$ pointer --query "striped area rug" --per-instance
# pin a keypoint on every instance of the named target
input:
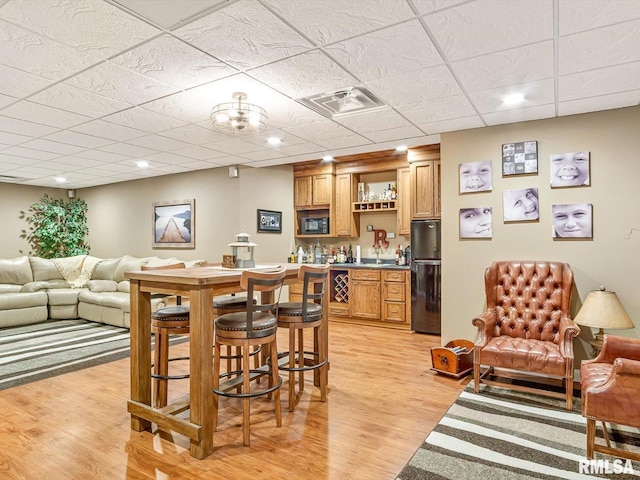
(33, 352)
(503, 434)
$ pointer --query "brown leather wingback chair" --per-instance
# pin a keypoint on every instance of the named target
(526, 327)
(610, 386)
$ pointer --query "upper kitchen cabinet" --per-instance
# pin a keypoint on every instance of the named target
(346, 225)
(425, 183)
(313, 191)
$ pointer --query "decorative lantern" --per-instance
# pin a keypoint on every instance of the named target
(242, 250)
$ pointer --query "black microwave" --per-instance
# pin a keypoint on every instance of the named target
(315, 226)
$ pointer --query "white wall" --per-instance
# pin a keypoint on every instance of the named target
(611, 258)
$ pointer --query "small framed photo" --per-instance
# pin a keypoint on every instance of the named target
(520, 205)
(573, 220)
(570, 169)
(475, 176)
(174, 224)
(520, 158)
(476, 222)
(269, 221)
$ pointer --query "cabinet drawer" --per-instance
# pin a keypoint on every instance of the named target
(394, 312)
(394, 292)
(338, 310)
(393, 275)
(357, 274)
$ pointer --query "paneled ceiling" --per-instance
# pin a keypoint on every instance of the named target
(90, 87)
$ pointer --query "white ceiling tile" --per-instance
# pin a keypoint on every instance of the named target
(79, 101)
(265, 38)
(579, 15)
(303, 75)
(619, 78)
(91, 25)
(172, 62)
(6, 100)
(144, 120)
(604, 102)
(79, 139)
(128, 150)
(3, 146)
(370, 122)
(601, 47)
(393, 134)
(157, 142)
(261, 139)
(43, 114)
(26, 51)
(194, 134)
(416, 87)
(315, 132)
(11, 138)
(53, 147)
(300, 148)
(507, 67)
(452, 125)
(520, 115)
(199, 153)
(111, 131)
(200, 165)
(269, 163)
(343, 141)
(233, 146)
(535, 93)
(78, 162)
(22, 127)
(291, 113)
(477, 28)
(100, 155)
(117, 83)
(439, 109)
(264, 154)
(334, 20)
(364, 57)
(18, 83)
(17, 160)
(430, 6)
(169, 158)
(168, 13)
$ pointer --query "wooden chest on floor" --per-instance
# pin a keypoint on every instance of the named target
(454, 359)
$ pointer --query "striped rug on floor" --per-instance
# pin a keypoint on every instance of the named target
(33, 352)
(502, 434)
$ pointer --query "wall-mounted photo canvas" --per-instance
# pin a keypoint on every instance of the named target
(476, 222)
(173, 224)
(573, 220)
(520, 205)
(570, 169)
(475, 176)
(519, 158)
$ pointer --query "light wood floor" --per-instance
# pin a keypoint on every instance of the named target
(383, 401)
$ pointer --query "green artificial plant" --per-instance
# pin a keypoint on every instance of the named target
(57, 228)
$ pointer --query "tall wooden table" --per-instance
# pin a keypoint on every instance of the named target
(200, 284)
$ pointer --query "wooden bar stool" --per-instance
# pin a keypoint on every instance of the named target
(234, 304)
(256, 326)
(298, 316)
(165, 322)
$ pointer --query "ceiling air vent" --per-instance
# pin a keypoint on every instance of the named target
(12, 179)
(343, 102)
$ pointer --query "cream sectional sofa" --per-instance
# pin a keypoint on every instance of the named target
(34, 289)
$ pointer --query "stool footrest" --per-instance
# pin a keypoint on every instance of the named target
(285, 365)
(237, 381)
(171, 377)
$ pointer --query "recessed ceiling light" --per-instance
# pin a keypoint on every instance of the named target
(142, 164)
(401, 148)
(60, 179)
(274, 141)
(513, 99)
(327, 158)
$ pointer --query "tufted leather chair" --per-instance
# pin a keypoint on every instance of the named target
(526, 328)
(610, 386)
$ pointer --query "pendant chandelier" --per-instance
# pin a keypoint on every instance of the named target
(239, 116)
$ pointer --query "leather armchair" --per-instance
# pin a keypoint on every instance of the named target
(526, 327)
(610, 385)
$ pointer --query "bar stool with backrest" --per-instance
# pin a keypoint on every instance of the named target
(166, 321)
(256, 326)
(298, 316)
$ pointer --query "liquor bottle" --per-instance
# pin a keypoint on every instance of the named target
(398, 254)
(318, 257)
(350, 255)
(394, 192)
(300, 254)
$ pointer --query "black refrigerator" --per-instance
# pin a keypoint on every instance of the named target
(425, 276)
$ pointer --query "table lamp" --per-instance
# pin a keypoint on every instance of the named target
(602, 309)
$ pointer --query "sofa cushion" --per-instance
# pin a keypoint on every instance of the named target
(105, 269)
(128, 264)
(12, 301)
(100, 286)
(44, 269)
(63, 296)
(162, 262)
(10, 288)
(16, 271)
(36, 286)
(124, 286)
(110, 299)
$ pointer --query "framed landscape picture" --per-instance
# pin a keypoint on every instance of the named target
(520, 158)
(174, 224)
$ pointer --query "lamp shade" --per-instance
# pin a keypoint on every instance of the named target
(602, 309)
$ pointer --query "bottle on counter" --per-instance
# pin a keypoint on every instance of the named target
(398, 254)
(350, 255)
(300, 254)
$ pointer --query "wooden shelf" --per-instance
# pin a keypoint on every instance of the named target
(377, 206)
